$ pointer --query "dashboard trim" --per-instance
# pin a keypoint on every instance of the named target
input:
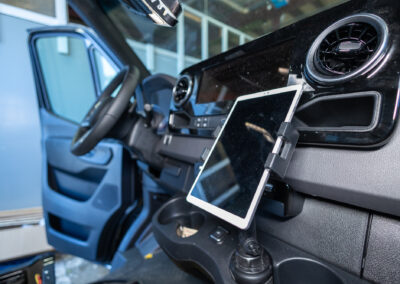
(372, 19)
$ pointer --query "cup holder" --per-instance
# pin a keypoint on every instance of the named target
(306, 271)
(186, 218)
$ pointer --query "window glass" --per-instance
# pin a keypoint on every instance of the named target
(46, 7)
(67, 75)
(214, 40)
(244, 20)
(106, 72)
(192, 35)
(233, 40)
(258, 17)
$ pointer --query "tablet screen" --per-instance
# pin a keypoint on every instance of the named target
(231, 174)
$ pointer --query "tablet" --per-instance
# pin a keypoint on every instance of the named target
(232, 179)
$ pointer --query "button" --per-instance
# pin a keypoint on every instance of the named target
(198, 125)
(219, 234)
(204, 124)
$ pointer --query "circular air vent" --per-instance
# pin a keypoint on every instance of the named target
(347, 49)
(182, 90)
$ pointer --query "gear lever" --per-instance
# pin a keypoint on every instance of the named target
(148, 110)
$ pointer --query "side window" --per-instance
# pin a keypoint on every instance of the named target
(106, 72)
(68, 75)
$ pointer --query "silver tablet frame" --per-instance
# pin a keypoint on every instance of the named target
(244, 223)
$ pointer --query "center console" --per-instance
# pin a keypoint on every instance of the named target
(201, 242)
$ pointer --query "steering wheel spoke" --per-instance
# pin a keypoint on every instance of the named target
(105, 112)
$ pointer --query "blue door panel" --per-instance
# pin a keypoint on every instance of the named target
(81, 195)
(85, 199)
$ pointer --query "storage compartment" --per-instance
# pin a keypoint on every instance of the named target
(69, 228)
(357, 111)
(186, 219)
(78, 186)
(305, 271)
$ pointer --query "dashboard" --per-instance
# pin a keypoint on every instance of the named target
(347, 118)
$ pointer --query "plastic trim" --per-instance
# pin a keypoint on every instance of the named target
(378, 23)
(189, 90)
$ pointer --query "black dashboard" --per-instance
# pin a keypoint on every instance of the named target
(349, 57)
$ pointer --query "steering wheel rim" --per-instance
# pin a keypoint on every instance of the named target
(105, 112)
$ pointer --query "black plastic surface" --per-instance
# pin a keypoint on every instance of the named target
(383, 79)
(186, 149)
(27, 270)
(383, 252)
(299, 270)
(367, 179)
(214, 257)
(348, 112)
(329, 231)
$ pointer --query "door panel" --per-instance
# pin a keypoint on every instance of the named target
(79, 197)
(84, 198)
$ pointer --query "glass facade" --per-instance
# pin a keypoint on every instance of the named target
(209, 27)
(45, 7)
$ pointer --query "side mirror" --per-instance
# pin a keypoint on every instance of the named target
(161, 12)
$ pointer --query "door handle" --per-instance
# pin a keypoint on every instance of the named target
(98, 156)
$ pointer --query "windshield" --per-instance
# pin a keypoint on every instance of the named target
(206, 28)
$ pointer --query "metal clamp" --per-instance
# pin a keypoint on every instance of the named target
(278, 163)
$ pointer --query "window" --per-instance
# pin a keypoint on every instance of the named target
(46, 7)
(192, 35)
(68, 77)
(214, 40)
(47, 12)
(206, 28)
(105, 71)
(233, 40)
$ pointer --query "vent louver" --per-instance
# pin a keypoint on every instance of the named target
(182, 90)
(347, 49)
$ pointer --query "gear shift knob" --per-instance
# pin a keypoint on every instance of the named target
(148, 109)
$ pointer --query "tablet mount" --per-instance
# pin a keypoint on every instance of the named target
(251, 263)
(278, 163)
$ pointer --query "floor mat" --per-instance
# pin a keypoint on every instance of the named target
(156, 269)
(74, 270)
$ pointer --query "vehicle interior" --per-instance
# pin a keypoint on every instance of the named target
(115, 182)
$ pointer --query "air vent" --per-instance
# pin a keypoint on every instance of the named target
(182, 90)
(347, 49)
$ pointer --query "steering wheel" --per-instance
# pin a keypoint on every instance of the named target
(105, 112)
